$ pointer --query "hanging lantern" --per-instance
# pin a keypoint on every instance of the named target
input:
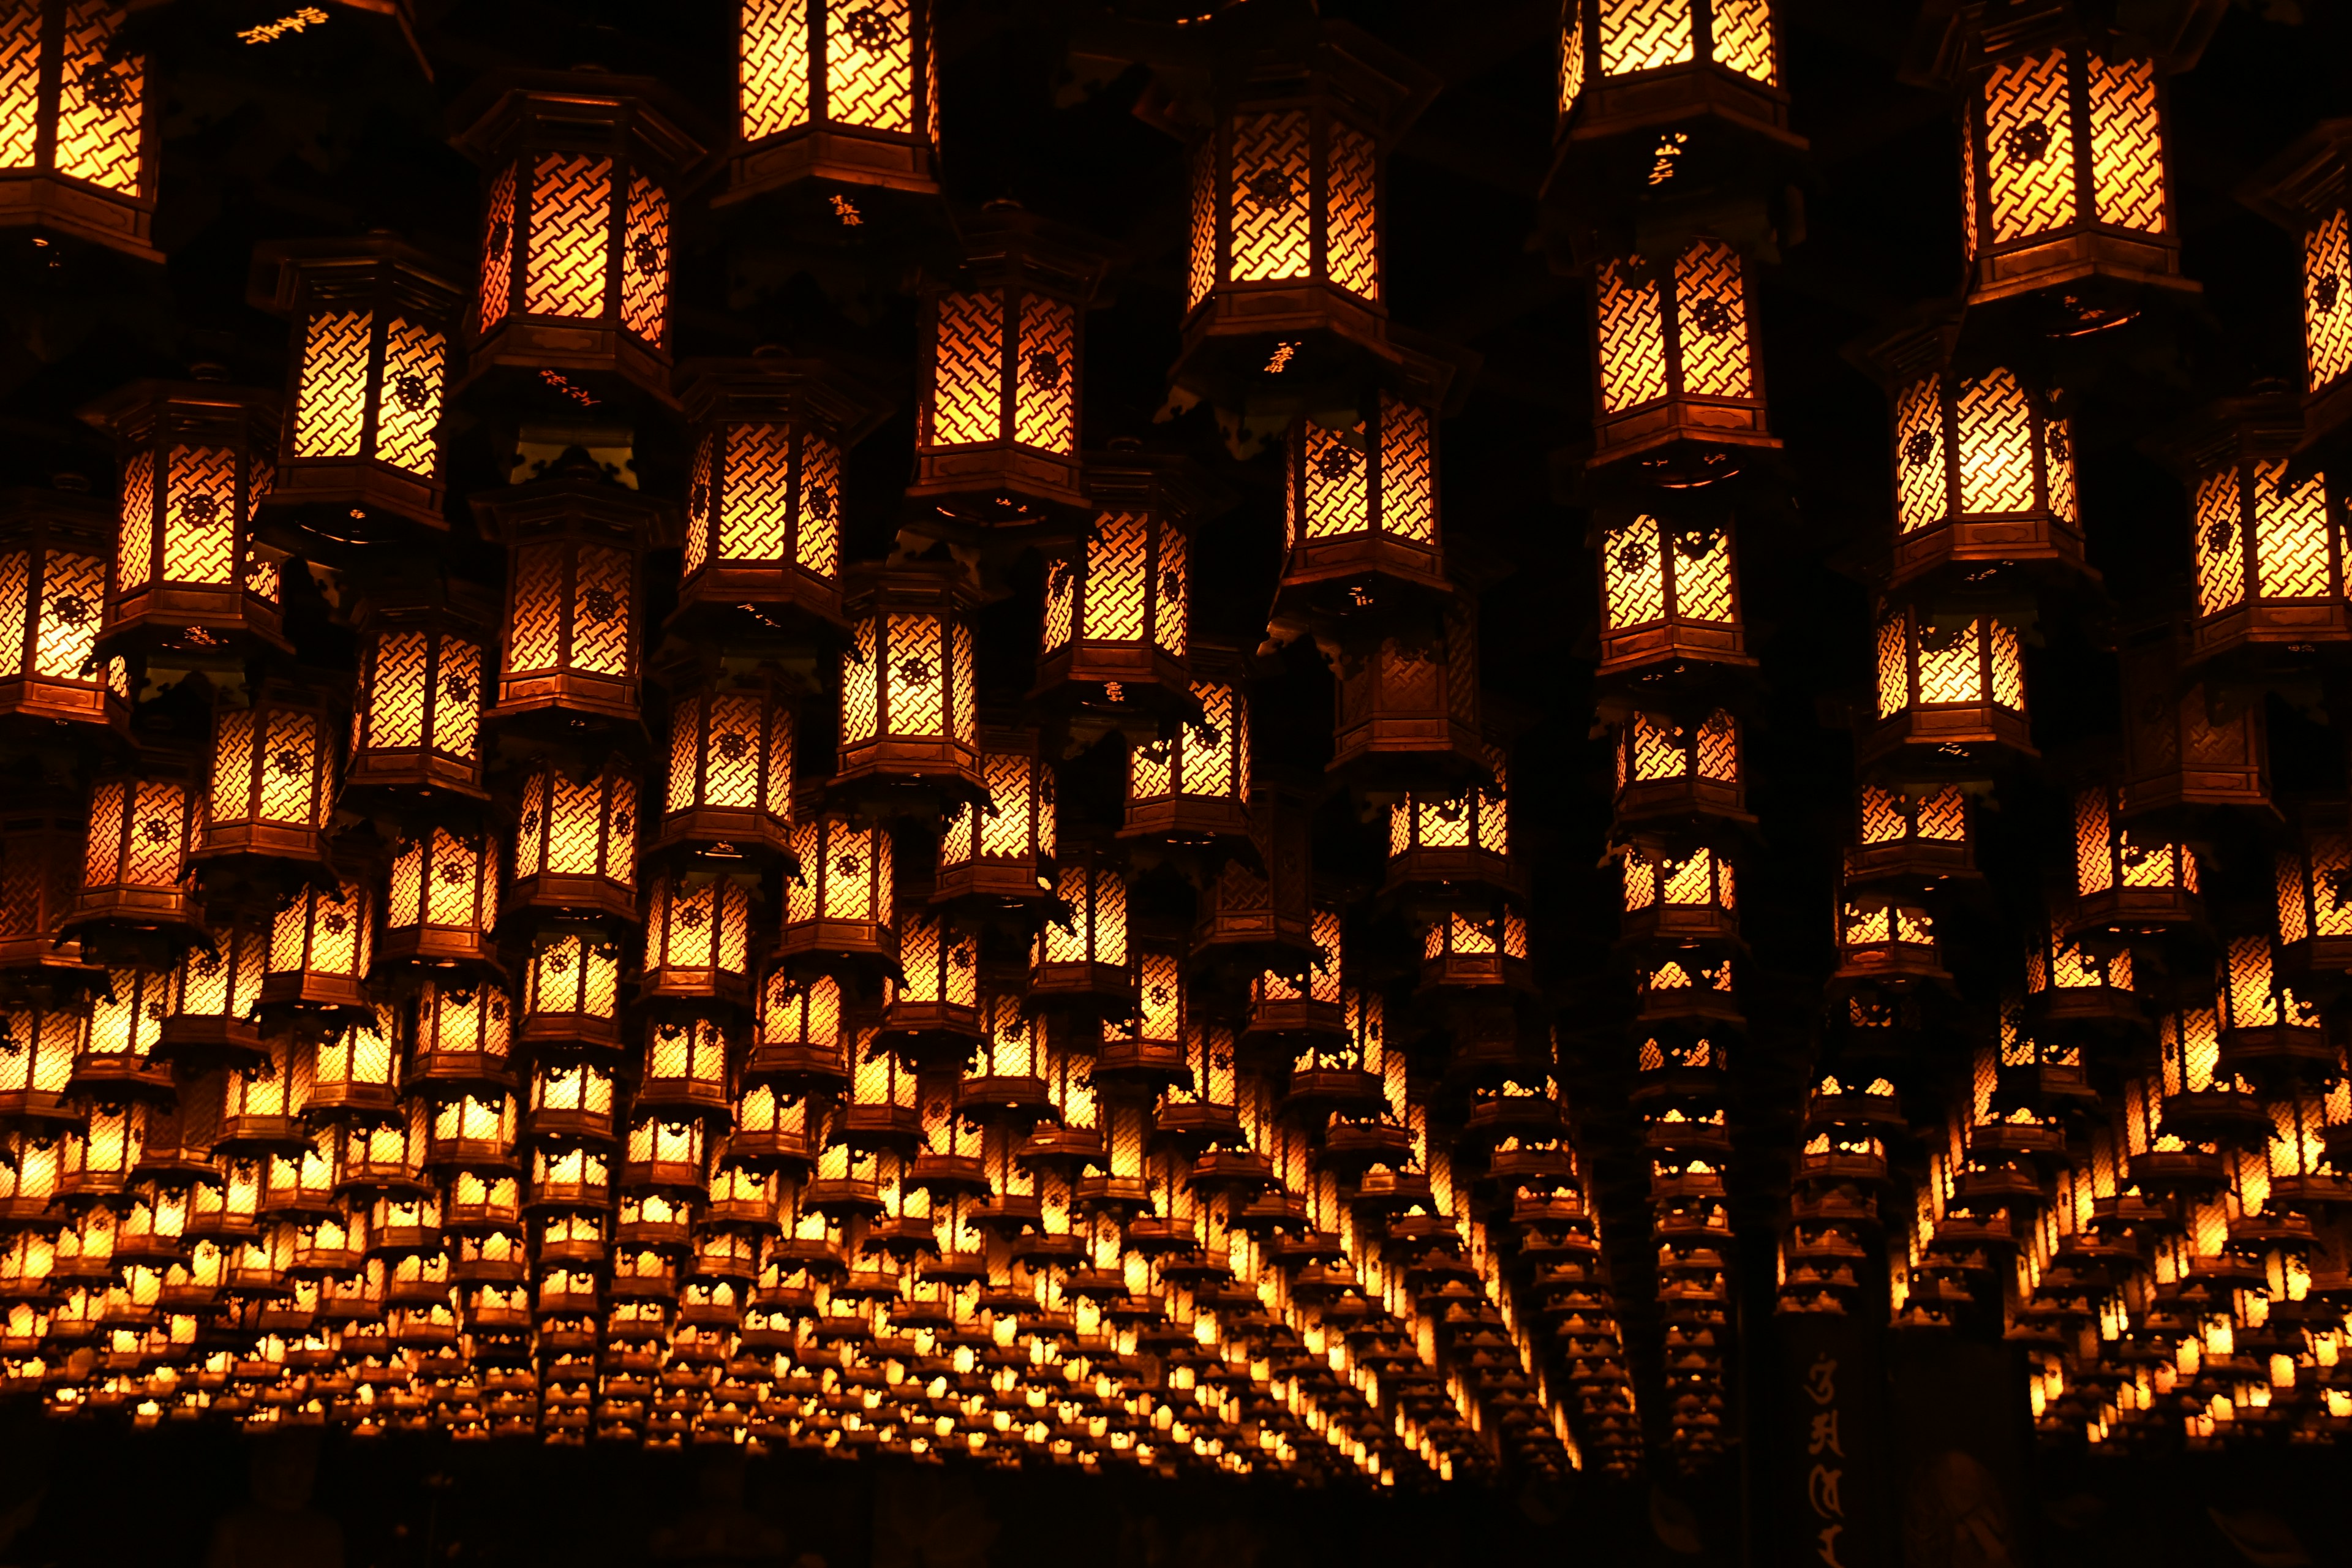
(730, 771)
(1627, 67)
(136, 887)
(209, 1012)
(1194, 785)
(800, 1039)
(1004, 1083)
(1472, 952)
(2303, 191)
(1408, 708)
(997, 853)
(471, 1129)
(936, 997)
(2315, 895)
(262, 1105)
(463, 1035)
(1678, 898)
(571, 992)
(1456, 846)
(2263, 1022)
(273, 781)
(1671, 768)
(359, 456)
(576, 230)
(1253, 914)
(1147, 1049)
(698, 940)
(2067, 180)
(773, 1130)
(416, 724)
(664, 1155)
(576, 844)
(1676, 378)
(1118, 597)
(908, 685)
(83, 143)
(1881, 940)
(1079, 960)
(1303, 1005)
(355, 1072)
(842, 92)
(42, 848)
(1946, 690)
(441, 903)
(126, 1024)
(1901, 836)
(2186, 744)
(571, 648)
(319, 951)
(683, 1071)
(54, 549)
(1669, 596)
(196, 459)
(37, 1064)
(2127, 880)
(837, 907)
(1360, 504)
(570, 1102)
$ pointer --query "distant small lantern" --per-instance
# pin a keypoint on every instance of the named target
(54, 551)
(1675, 361)
(1456, 843)
(1304, 1003)
(843, 91)
(196, 459)
(2128, 879)
(698, 940)
(2067, 981)
(574, 634)
(80, 154)
(2186, 743)
(322, 943)
(1671, 766)
(571, 1101)
(359, 452)
(1193, 786)
(355, 1072)
(1679, 897)
(576, 844)
(273, 781)
(1883, 941)
(571, 992)
(998, 852)
(577, 256)
(730, 792)
(463, 1033)
(2315, 896)
(1472, 952)
(416, 723)
(1118, 606)
(801, 1038)
(135, 881)
(937, 993)
(2066, 170)
(1947, 692)
(683, 1071)
(996, 435)
(42, 850)
(837, 907)
(1080, 958)
(908, 687)
(1408, 708)
(1903, 836)
(1669, 596)
(209, 1010)
(1360, 506)
(441, 903)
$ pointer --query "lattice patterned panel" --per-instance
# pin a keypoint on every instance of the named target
(1270, 197)
(1212, 747)
(731, 771)
(1408, 472)
(2327, 299)
(685, 750)
(396, 695)
(158, 834)
(772, 67)
(457, 701)
(816, 536)
(2008, 661)
(1920, 472)
(600, 611)
(408, 411)
(645, 262)
(870, 64)
(104, 845)
(2220, 563)
(1201, 248)
(1995, 434)
(1743, 38)
(1654, 749)
(135, 545)
(73, 588)
(1571, 56)
(1951, 668)
(1643, 35)
(16, 604)
(967, 368)
(574, 826)
(2058, 466)
(1118, 552)
(916, 680)
(1171, 592)
(565, 270)
(2331, 870)
(1350, 215)
(1632, 336)
(1061, 603)
(860, 687)
(1711, 305)
(755, 493)
(498, 247)
(2291, 535)
(1338, 492)
(1883, 819)
(1893, 678)
(101, 103)
(2127, 144)
(1718, 751)
(701, 501)
(1704, 590)
(20, 82)
(535, 625)
(1632, 574)
(1046, 376)
(288, 768)
(962, 720)
(2029, 146)
(330, 399)
(2153, 863)
(200, 515)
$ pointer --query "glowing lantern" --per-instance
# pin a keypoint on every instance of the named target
(908, 714)
(1147, 1050)
(1256, 915)
(471, 1129)
(209, 1010)
(1080, 959)
(321, 945)
(1303, 1003)
(570, 1102)
(1408, 708)
(1669, 767)
(2315, 896)
(41, 856)
(262, 1104)
(38, 1064)
(2066, 177)
(2303, 191)
(576, 844)
(800, 1039)
(1678, 898)
(2186, 744)
(571, 992)
(1459, 845)
(1118, 598)
(730, 771)
(1878, 939)
(416, 724)
(837, 907)
(1688, 990)
(1194, 786)
(1945, 692)
(1669, 596)
(997, 853)
(573, 632)
(463, 1035)
(2263, 1022)
(273, 779)
(2126, 881)
(135, 886)
(1674, 362)
(839, 91)
(126, 1024)
(1903, 836)
(773, 1130)
(359, 456)
(355, 1072)
(997, 431)
(685, 1071)
(441, 902)
(195, 459)
(664, 1154)
(698, 940)
(1361, 510)
(79, 157)
(936, 997)
(54, 546)
(576, 229)
(1628, 66)
(1470, 952)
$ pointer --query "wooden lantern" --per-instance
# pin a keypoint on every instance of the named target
(571, 992)
(42, 850)
(698, 940)
(801, 1038)
(209, 1009)
(196, 459)
(2186, 744)
(937, 993)
(1255, 913)
(1459, 843)
(2067, 981)
(79, 159)
(355, 1072)
(1472, 952)
(1900, 836)
(1685, 897)
(1360, 504)
(416, 731)
(471, 1129)
(1947, 692)
(576, 844)
(53, 549)
(571, 1102)
(1194, 786)
(462, 1033)
(998, 853)
(1408, 708)
(908, 715)
(273, 779)
(2128, 879)
(359, 457)
(441, 903)
(730, 771)
(135, 878)
(683, 1071)
(1300, 1005)
(1080, 958)
(1147, 1049)
(1669, 767)
(576, 229)
(996, 434)
(837, 907)
(2315, 894)
(37, 1067)
(1118, 598)
(2264, 1024)
(1669, 596)
(1675, 361)
(321, 946)
(840, 91)
(1883, 941)
(262, 1103)
(1633, 66)
(118, 1062)
(2304, 191)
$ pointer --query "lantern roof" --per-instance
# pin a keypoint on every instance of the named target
(348, 266)
(1274, 49)
(576, 493)
(131, 410)
(1951, 38)
(2266, 421)
(775, 383)
(2305, 180)
(1167, 484)
(1004, 242)
(584, 106)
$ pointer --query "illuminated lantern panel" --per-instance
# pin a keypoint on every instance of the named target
(572, 641)
(356, 1070)
(837, 907)
(1667, 766)
(1984, 472)
(1668, 595)
(195, 460)
(1361, 503)
(54, 549)
(2270, 559)
(1147, 1049)
(1882, 939)
(576, 843)
(1671, 898)
(997, 431)
(684, 1071)
(441, 902)
(571, 990)
(841, 91)
(321, 945)
(2315, 896)
(2187, 744)
(135, 867)
(1462, 840)
(2066, 176)
(2264, 1024)
(1946, 690)
(698, 939)
(999, 852)
(42, 851)
(373, 321)
(1674, 357)
(800, 1037)
(1624, 62)
(2127, 879)
(78, 142)
(730, 789)
(416, 721)
(1901, 833)
(1306, 1001)
(1116, 609)
(1080, 956)
(273, 779)
(1194, 786)
(569, 1101)
(35, 1072)
(908, 699)
(1408, 708)
(462, 1033)
(1470, 952)
(575, 230)
(939, 993)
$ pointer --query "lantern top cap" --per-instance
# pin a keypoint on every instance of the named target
(820, 387)
(1162, 482)
(1005, 242)
(394, 597)
(2265, 422)
(353, 266)
(1920, 344)
(2304, 182)
(1952, 39)
(576, 493)
(1272, 51)
(130, 410)
(27, 507)
(583, 108)
(935, 584)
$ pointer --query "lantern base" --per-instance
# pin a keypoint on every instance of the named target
(1959, 741)
(1142, 1064)
(2274, 634)
(846, 949)
(798, 1068)
(1891, 965)
(1280, 347)
(1483, 972)
(346, 512)
(1646, 650)
(1192, 820)
(2094, 261)
(892, 779)
(2040, 547)
(72, 210)
(563, 368)
(1681, 443)
(711, 838)
(33, 708)
(876, 160)
(582, 1031)
(1909, 862)
(200, 621)
(2136, 910)
(991, 486)
(1082, 989)
(733, 601)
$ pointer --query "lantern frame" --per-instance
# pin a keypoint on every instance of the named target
(56, 564)
(729, 784)
(72, 127)
(791, 71)
(1922, 730)
(1643, 627)
(556, 812)
(272, 779)
(1678, 375)
(2187, 742)
(891, 660)
(416, 719)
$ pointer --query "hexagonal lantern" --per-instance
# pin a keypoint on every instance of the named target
(1193, 786)
(908, 695)
(998, 853)
(936, 997)
(1886, 942)
(698, 940)
(571, 992)
(1408, 708)
(209, 1009)
(576, 266)
(1118, 599)
(1677, 383)
(273, 781)
(321, 946)
(834, 90)
(576, 844)
(441, 903)
(837, 907)
(2186, 743)
(729, 795)
(1304, 1004)
(1905, 837)
(801, 1038)
(1669, 594)
(1459, 843)
(359, 457)
(1628, 68)
(1668, 767)
(1360, 506)
(2315, 893)
(195, 459)
(1472, 952)
(79, 154)
(54, 555)
(416, 729)
(42, 849)
(2128, 879)
(461, 1033)
(136, 887)
(1255, 913)
(1946, 691)
(1079, 960)
(2068, 981)
(1685, 897)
